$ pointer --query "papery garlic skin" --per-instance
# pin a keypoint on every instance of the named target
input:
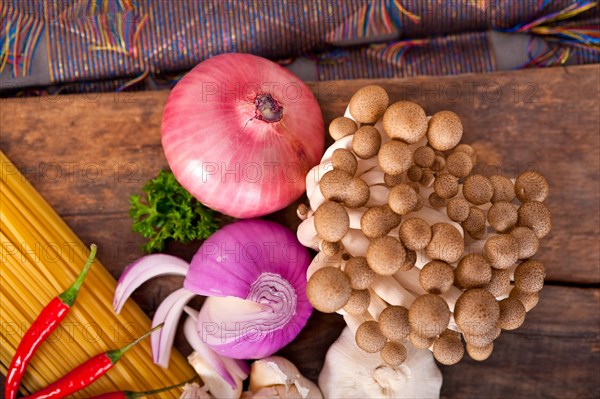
(195, 391)
(217, 385)
(350, 372)
(276, 371)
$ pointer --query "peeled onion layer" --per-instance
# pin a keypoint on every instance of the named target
(228, 149)
(253, 272)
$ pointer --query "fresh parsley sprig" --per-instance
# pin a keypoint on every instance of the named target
(169, 212)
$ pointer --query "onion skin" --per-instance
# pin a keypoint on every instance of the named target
(226, 152)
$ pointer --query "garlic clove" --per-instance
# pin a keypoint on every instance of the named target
(282, 380)
(195, 391)
(216, 384)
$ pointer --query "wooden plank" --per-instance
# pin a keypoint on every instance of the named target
(87, 154)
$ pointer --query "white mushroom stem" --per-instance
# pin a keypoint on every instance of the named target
(410, 280)
(378, 197)
(511, 271)
(321, 260)
(366, 165)
(451, 296)
(355, 242)
(355, 214)
(344, 142)
(307, 234)
(373, 177)
(376, 306)
(388, 289)
(315, 175)
(354, 321)
(316, 199)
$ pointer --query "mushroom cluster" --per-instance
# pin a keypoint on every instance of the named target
(412, 243)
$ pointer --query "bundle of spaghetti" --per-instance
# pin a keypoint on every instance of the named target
(40, 257)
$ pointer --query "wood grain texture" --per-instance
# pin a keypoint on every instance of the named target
(88, 154)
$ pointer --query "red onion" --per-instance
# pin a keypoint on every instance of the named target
(240, 133)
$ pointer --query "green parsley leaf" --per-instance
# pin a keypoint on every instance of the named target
(169, 212)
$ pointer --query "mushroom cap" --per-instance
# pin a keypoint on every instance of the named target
(502, 251)
(402, 198)
(531, 186)
(480, 353)
(360, 274)
(439, 163)
(466, 148)
(330, 248)
(415, 233)
(476, 311)
(475, 221)
(410, 261)
(529, 276)
(333, 184)
(436, 277)
(459, 164)
(393, 353)
(528, 299)
(377, 221)
(478, 189)
(447, 244)
(473, 271)
(458, 209)
(445, 130)
(342, 127)
(448, 348)
(386, 255)
(499, 283)
(392, 180)
(366, 142)
(328, 289)
(368, 104)
(331, 221)
(419, 341)
(429, 315)
(302, 211)
(536, 216)
(406, 121)
(504, 189)
(436, 201)
(502, 216)
(446, 185)
(512, 313)
(420, 203)
(357, 193)
(393, 322)
(424, 156)
(344, 160)
(369, 337)
(483, 339)
(358, 303)
(395, 157)
(414, 173)
(528, 241)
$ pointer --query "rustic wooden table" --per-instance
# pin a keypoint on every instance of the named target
(87, 154)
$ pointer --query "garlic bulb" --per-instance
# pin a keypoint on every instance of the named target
(350, 372)
(195, 391)
(277, 377)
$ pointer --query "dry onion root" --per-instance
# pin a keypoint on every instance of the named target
(413, 244)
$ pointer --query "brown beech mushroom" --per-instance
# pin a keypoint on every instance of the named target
(447, 244)
(392, 180)
(409, 261)
(406, 121)
(466, 148)
(458, 209)
(473, 271)
(369, 337)
(536, 216)
(446, 186)
(502, 216)
(366, 142)
(393, 353)
(302, 211)
(358, 303)
(448, 348)
(528, 241)
(344, 160)
(499, 283)
(424, 156)
(459, 164)
(339, 185)
(512, 314)
(331, 221)
(476, 311)
(445, 130)
(474, 222)
(480, 353)
(360, 274)
(378, 221)
(342, 127)
(393, 322)
(419, 341)
(330, 248)
(439, 163)
(436, 277)
(386, 255)
(414, 173)
(328, 289)
(504, 189)
(528, 299)
(429, 315)
(368, 104)
(478, 189)
(502, 251)
(531, 186)
(483, 339)
(415, 233)
(529, 276)
(402, 199)
(436, 201)
(395, 157)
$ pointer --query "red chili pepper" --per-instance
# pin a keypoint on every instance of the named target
(135, 395)
(86, 373)
(47, 321)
